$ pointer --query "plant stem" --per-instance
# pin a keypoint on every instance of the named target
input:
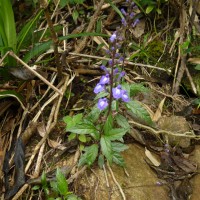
(111, 83)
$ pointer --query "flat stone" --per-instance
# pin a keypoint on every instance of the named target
(140, 185)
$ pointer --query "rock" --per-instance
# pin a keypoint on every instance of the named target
(175, 124)
(140, 185)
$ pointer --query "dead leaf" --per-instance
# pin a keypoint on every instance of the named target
(158, 112)
(152, 158)
(194, 60)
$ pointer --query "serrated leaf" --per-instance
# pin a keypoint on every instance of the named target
(82, 138)
(116, 134)
(89, 156)
(118, 147)
(118, 159)
(93, 116)
(136, 88)
(101, 161)
(139, 112)
(62, 184)
(106, 148)
(149, 9)
(83, 128)
(122, 121)
(109, 124)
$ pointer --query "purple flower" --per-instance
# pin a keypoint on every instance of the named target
(110, 62)
(124, 96)
(113, 37)
(117, 92)
(98, 88)
(116, 70)
(132, 15)
(135, 23)
(124, 22)
(104, 79)
(123, 12)
(102, 103)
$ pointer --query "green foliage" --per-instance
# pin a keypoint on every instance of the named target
(107, 134)
(56, 189)
(149, 6)
(139, 112)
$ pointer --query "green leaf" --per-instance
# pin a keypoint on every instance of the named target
(118, 147)
(197, 67)
(61, 182)
(43, 179)
(149, 9)
(71, 136)
(16, 95)
(7, 16)
(72, 197)
(116, 134)
(26, 31)
(136, 88)
(101, 161)
(54, 186)
(122, 121)
(83, 128)
(89, 156)
(115, 8)
(93, 116)
(109, 124)
(82, 138)
(118, 159)
(106, 148)
(35, 187)
(139, 112)
(40, 48)
(75, 16)
(72, 121)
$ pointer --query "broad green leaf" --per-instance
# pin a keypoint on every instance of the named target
(106, 148)
(139, 112)
(77, 118)
(118, 147)
(116, 134)
(118, 159)
(109, 124)
(101, 161)
(83, 128)
(149, 9)
(197, 67)
(89, 156)
(122, 121)
(136, 88)
(54, 186)
(82, 138)
(67, 119)
(71, 136)
(93, 116)
(61, 182)
(72, 197)
(12, 93)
